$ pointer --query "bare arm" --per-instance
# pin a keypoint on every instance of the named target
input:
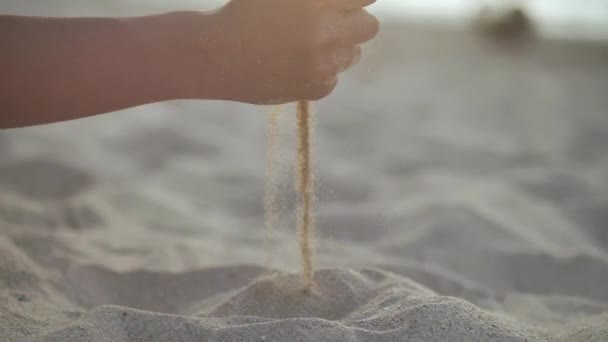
(64, 68)
(54, 69)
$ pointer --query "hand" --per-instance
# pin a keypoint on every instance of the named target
(278, 51)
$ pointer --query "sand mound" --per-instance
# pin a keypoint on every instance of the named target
(337, 293)
(346, 305)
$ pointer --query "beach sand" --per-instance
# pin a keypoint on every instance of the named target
(463, 196)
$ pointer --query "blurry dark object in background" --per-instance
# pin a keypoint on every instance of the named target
(507, 27)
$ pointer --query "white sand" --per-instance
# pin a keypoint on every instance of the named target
(463, 197)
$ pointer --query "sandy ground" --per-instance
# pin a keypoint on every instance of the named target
(463, 196)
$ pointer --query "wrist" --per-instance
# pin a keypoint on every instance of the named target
(208, 69)
(172, 54)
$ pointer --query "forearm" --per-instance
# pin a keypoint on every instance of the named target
(56, 69)
(259, 52)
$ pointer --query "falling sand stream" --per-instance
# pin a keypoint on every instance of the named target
(305, 190)
(304, 186)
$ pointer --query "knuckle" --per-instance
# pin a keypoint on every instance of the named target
(348, 58)
(321, 70)
(372, 26)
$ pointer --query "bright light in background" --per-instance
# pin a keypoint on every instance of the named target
(557, 18)
(440, 8)
(586, 19)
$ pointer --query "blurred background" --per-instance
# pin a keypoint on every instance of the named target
(555, 18)
(473, 135)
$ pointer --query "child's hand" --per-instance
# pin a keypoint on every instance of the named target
(255, 51)
(276, 51)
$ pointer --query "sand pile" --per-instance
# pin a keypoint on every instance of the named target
(64, 301)
(211, 305)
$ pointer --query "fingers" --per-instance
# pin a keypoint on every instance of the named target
(327, 65)
(314, 92)
(320, 78)
(345, 58)
(347, 29)
(357, 27)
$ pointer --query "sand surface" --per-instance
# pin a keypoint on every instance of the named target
(463, 196)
